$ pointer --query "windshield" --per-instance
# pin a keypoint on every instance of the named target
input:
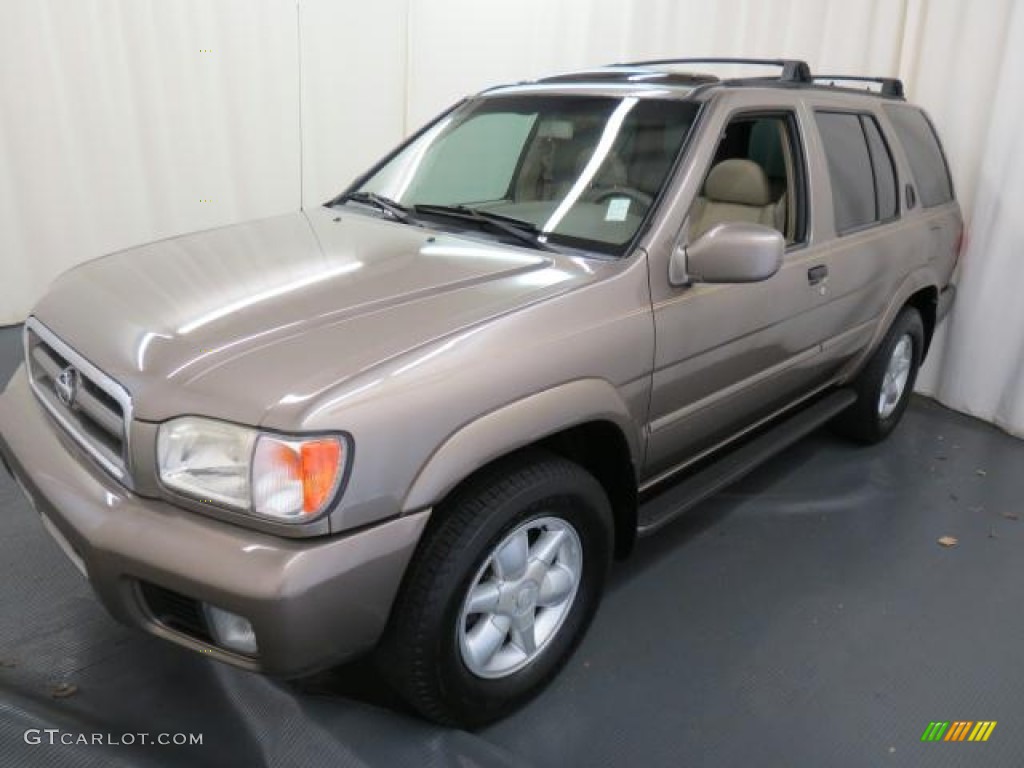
(581, 171)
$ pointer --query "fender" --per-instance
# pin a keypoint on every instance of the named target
(515, 425)
(922, 277)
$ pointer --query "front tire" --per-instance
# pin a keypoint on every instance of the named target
(885, 384)
(502, 588)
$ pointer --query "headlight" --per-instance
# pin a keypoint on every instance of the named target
(206, 459)
(291, 479)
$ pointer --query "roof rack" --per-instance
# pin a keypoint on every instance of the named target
(891, 86)
(793, 70)
(627, 74)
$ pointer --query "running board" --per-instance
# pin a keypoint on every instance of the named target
(681, 496)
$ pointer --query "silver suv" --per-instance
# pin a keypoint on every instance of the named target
(426, 416)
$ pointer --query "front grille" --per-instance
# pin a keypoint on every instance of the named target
(93, 408)
(175, 611)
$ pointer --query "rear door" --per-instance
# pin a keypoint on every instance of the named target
(872, 245)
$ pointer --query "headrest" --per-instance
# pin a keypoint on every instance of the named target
(738, 181)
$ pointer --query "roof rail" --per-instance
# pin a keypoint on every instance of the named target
(891, 86)
(793, 70)
(624, 73)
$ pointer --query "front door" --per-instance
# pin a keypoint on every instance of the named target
(728, 355)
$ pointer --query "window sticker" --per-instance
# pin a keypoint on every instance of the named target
(618, 207)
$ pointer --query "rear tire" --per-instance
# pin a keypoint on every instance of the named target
(502, 588)
(885, 384)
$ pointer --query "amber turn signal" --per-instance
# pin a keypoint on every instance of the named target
(295, 478)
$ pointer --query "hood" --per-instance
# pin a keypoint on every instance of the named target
(228, 321)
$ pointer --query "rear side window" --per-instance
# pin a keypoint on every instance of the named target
(882, 167)
(860, 167)
(924, 154)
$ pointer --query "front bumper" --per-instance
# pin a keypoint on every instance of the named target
(312, 602)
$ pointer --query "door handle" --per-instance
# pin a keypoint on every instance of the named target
(817, 274)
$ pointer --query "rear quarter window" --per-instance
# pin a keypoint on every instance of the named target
(924, 153)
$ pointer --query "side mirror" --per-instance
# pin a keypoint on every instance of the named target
(730, 252)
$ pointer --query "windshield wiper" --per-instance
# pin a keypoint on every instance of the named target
(521, 230)
(397, 211)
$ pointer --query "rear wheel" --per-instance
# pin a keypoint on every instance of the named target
(502, 588)
(885, 384)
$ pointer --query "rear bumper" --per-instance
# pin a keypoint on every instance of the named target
(312, 602)
(946, 297)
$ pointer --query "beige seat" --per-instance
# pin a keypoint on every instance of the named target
(735, 190)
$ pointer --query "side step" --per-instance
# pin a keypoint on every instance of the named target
(665, 507)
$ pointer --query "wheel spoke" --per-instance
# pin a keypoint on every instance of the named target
(483, 598)
(523, 635)
(556, 587)
(896, 376)
(520, 597)
(510, 561)
(545, 549)
(484, 639)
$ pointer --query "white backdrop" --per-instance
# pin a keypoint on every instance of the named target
(122, 121)
(117, 127)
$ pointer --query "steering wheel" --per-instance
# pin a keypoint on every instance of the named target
(604, 193)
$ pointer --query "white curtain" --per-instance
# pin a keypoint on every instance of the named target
(123, 121)
(979, 367)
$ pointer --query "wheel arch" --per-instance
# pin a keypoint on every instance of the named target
(585, 421)
(920, 290)
(926, 301)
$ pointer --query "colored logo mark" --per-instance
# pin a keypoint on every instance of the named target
(959, 730)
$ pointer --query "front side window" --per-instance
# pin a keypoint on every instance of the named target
(755, 176)
(582, 171)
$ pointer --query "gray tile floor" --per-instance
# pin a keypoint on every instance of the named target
(807, 617)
